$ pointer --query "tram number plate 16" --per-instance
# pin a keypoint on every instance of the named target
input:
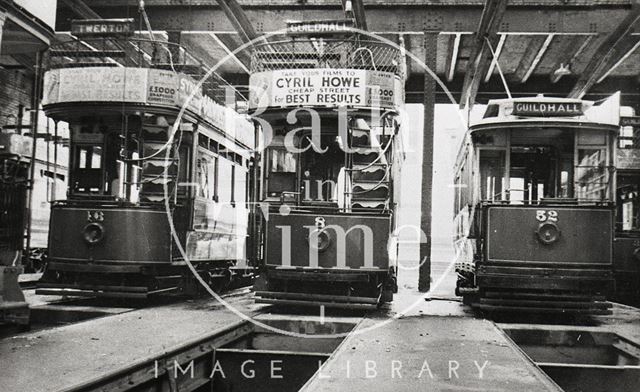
(95, 216)
(547, 215)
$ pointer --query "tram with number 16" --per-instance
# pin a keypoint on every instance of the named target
(535, 206)
(148, 190)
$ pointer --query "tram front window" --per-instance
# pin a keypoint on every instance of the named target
(100, 164)
(281, 163)
(492, 174)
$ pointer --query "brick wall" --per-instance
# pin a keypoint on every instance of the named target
(15, 90)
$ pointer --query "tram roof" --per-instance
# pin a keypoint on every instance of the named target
(549, 111)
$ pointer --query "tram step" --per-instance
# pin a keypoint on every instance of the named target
(104, 294)
(549, 303)
(319, 297)
(533, 309)
(583, 297)
(316, 304)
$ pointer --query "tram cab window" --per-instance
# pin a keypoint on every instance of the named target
(628, 202)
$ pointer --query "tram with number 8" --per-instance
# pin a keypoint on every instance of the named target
(149, 190)
(535, 206)
(329, 108)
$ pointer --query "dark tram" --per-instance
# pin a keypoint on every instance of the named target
(535, 206)
(15, 159)
(330, 106)
(132, 158)
(626, 247)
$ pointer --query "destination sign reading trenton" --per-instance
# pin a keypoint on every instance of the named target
(324, 87)
(547, 109)
(102, 27)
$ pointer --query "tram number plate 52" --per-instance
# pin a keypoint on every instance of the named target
(547, 215)
(95, 216)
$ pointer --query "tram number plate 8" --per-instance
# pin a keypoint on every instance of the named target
(95, 216)
(547, 215)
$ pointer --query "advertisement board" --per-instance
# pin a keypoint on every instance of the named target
(142, 86)
(324, 87)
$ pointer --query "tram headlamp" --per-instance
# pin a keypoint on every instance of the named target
(93, 233)
(548, 233)
(319, 240)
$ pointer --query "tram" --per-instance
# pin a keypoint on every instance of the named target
(148, 190)
(626, 248)
(329, 107)
(535, 206)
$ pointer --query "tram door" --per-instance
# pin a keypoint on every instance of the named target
(627, 243)
(541, 168)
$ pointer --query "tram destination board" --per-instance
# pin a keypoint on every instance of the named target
(320, 27)
(548, 109)
(102, 27)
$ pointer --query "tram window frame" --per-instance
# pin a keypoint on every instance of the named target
(604, 192)
(211, 161)
(503, 178)
(290, 159)
(78, 169)
(233, 184)
(628, 180)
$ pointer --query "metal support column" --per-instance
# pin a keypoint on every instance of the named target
(431, 44)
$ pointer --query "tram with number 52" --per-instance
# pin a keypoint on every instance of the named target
(535, 206)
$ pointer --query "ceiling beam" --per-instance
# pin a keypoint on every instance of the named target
(568, 55)
(81, 9)
(486, 33)
(452, 61)
(615, 46)
(622, 59)
(357, 9)
(534, 52)
(229, 52)
(238, 19)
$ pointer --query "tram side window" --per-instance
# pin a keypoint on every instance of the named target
(492, 174)
(591, 175)
(207, 181)
(628, 203)
(87, 176)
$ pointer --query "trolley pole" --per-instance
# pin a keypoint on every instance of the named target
(431, 44)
